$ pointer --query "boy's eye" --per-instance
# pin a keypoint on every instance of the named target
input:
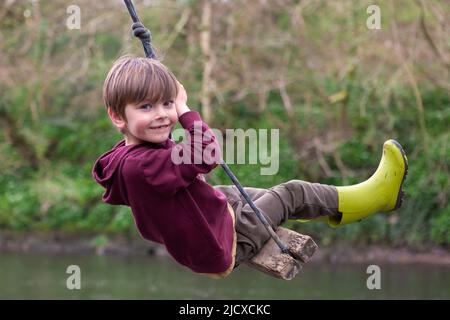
(168, 103)
(146, 106)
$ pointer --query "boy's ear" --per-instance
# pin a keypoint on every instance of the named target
(116, 119)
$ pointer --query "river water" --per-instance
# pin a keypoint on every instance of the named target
(27, 276)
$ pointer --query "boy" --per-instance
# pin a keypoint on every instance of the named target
(210, 229)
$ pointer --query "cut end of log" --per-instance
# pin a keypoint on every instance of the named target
(273, 262)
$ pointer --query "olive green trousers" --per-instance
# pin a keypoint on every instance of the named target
(295, 199)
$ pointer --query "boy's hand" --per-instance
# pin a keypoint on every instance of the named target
(181, 101)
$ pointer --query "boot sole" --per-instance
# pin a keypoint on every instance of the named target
(401, 193)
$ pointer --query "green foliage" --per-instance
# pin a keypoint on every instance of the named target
(100, 241)
(347, 87)
(63, 196)
(440, 227)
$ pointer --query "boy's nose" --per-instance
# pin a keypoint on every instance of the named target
(161, 113)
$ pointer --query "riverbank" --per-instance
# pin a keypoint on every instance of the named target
(64, 243)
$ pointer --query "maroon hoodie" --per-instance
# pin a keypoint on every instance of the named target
(171, 203)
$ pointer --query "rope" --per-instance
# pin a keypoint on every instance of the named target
(144, 34)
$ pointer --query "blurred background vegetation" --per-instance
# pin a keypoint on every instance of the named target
(334, 88)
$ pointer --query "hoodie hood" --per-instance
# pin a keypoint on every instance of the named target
(107, 168)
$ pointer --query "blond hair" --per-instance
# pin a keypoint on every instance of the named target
(133, 80)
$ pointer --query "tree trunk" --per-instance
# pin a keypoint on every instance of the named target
(205, 43)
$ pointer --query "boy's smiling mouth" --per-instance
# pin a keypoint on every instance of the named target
(160, 127)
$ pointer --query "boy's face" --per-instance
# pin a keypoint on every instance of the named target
(144, 121)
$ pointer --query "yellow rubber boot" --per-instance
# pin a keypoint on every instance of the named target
(381, 192)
